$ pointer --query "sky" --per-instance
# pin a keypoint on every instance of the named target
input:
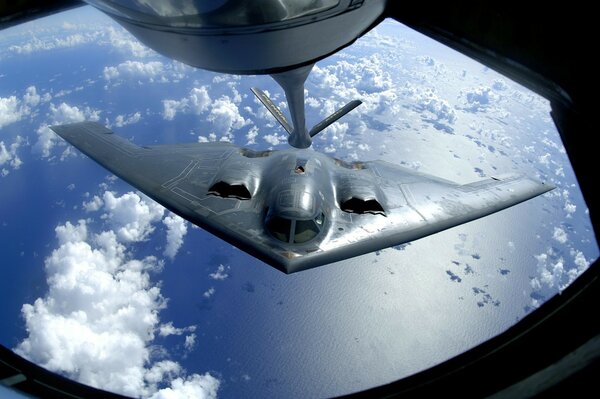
(107, 287)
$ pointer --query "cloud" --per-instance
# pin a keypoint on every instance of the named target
(124, 120)
(560, 235)
(195, 386)
(368, 79)
(499, 85)
(123, 41)
(225, 116)
(426, 60)
(10, 111)
(569, 207)
(65, 113)
(61, 114)
(93, 205)
(171, 107)
(544, 159)
(251, 135)
(433, 109)
(210, 139)
(176, 230)
(550, 270)
(220, 273)
(579, 259)
(31, 97)
(190, 342)
(9, 156)
(223, 112)
(197, 102)
(337, 131)
(479, 99)
(130, 216)
(144, 72)
(135, 69)
(169, 329)
(97, 322)
(98, 315)
(36, 44)
(554, 272)
(275, 139)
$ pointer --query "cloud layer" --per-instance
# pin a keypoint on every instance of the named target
(61, 114)
(100, 315)
(9, 156)
(176, 230)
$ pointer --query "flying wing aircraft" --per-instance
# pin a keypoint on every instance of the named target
(296, 209)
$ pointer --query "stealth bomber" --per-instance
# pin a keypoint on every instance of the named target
(296, 209)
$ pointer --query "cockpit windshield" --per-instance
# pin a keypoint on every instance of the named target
(305, 231)
(280, 228)
(295, 231)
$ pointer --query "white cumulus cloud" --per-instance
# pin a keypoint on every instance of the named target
(479, 98)
(190, 342)
(560, 235)
(31, 97)
(223, 112)
(171, 107)
(579, 259)
(135, 69)
(220, 273)
(97, 322)
(569, 207)
(251, 135)
(35, 44)
(123, 41)
(432, 107)
(225, 116)
(93, 205)
(9, 156)
(10, 111)
(167, 329)
(193, 387)
(274, 139)
(63, 113)
(131, 216)
(123, 120)
(197, 102)
(176, 230)
(209, 292)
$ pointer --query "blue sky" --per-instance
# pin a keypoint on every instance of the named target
(111, 285)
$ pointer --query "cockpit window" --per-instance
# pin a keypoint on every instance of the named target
(300, 230)
(280, 228)
(306, 230)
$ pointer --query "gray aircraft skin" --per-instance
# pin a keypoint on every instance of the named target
(296, 209)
